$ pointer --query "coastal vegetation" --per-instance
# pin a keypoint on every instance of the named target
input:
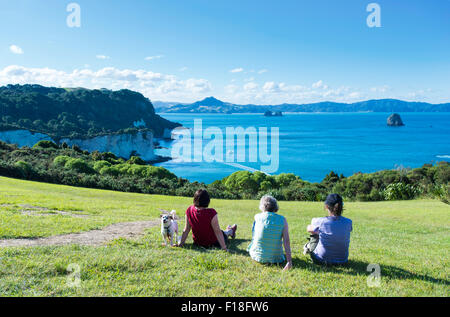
(61, 164)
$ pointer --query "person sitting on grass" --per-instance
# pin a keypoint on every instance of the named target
(330, 235)
(270, 231)
(204, 223)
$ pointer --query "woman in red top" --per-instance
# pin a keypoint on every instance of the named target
(204, 223)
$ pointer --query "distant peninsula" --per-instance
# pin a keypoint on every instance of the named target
(213, 105)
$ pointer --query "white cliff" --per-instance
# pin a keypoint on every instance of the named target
(122, 145)
(23, 137)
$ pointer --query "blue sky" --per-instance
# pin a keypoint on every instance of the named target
(247, 51)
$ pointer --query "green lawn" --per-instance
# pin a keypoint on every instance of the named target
(410, 241)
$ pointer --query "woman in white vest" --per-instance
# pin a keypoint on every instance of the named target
(270, 232)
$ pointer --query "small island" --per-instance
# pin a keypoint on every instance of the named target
(269, 113)
(395, 120)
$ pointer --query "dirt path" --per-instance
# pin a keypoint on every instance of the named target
(127, 230)
(43, 211)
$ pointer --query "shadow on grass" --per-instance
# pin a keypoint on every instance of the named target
(233, 246)
(355, 267)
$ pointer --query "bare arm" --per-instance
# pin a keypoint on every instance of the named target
(287, 246)
(310, 229)
(187, 229)
(218, 232)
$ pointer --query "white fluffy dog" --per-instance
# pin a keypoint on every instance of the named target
(169, 227)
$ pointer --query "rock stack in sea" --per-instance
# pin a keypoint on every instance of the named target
(269, 113)
(395, 120)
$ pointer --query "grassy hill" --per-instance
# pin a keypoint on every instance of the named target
(408, 239)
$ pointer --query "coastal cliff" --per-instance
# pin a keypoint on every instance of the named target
(123, 122)
(23, 137)
(122, 145)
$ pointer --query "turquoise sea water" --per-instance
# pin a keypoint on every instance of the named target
(313, 144)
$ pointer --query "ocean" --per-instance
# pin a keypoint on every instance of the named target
(313, 144)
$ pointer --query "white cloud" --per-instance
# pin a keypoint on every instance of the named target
(272, 92)
(15, 49)
(237, 70)
(102, 57)
(231, 89)
(250, 86)
(317, 84)
(380, 89)
(262, 71)
(149, 58)
(354, 95)
(159, 86)
(271, 87)
(183, 69)
(198, 85)
(155, 86)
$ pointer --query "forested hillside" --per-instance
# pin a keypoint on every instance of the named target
(77, 112)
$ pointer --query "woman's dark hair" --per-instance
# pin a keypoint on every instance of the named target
(201, 198)
(335, 204)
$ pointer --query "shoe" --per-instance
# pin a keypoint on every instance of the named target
(306, 249)
(233, 228)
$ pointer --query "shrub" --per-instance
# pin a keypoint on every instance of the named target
(277, 194)
(242, 181)
(306, 193)
(330, 180)
(136, 160)
(266, 185)
(218, 190)
(101, 164)
(61, 160)
(400, 191)
(160, 172)
(375, 195)
(110, 170)
(188, 190)
(138, 170)
(77, 149)
(442, 192)
(44, 144)
(78, 165)
(285, 179)
(106, 156)
(24, 168)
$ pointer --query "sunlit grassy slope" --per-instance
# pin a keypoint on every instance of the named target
(409, 240)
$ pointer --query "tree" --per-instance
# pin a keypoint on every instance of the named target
(136, 160)
(78, 165)
(46, 145)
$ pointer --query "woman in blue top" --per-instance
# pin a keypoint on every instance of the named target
(330, 236)
(269, 231)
